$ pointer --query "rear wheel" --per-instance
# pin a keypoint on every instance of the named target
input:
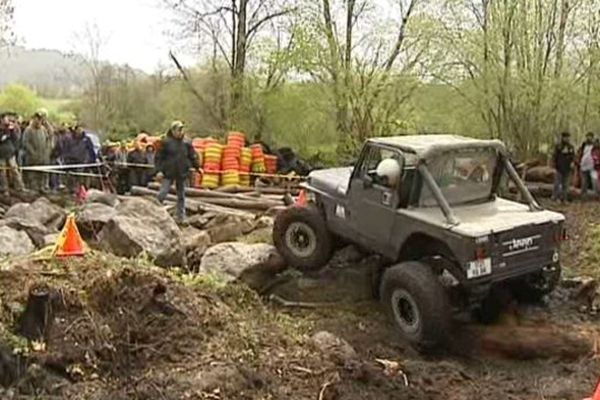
(533, 287)
(301, 237)
(417, 304)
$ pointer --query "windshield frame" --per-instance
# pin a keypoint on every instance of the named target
(495, 172)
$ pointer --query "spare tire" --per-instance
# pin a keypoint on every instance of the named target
(300, 235)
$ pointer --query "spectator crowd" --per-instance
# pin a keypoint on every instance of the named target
(37, 156)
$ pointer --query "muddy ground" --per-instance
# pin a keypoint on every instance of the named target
(124, 330)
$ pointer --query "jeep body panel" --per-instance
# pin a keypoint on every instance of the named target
(516, 239)
(486, 218)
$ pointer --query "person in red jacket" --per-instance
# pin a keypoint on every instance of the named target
(596, 171)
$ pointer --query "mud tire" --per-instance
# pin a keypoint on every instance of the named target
(417, 304)
(310, 246)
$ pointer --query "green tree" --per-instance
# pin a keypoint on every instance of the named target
(6, 18)
(19, 99)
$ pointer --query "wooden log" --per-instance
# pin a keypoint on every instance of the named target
(205, 193)
(193, 204)
(263, 190)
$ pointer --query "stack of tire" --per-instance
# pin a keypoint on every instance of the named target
(230, 166)
(199, 144)
(258, 159)
(271, 164)
(245, 166)
(212, 165)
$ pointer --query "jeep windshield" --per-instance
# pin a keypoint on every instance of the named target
(464, 176)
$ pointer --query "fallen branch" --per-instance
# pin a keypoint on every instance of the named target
(262, 190)
(296, 304)
(335, 379)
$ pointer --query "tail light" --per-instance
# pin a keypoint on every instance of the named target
(561, 236)
(480, 253)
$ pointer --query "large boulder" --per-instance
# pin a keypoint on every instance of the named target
(32, 228)
(14, 243)
(143, 226)
(226, 228)
(254, 264)
(41, 210)
(92, 218)
(195, 244)
(97, 196)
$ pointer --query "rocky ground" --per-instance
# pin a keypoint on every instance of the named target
(235, 324)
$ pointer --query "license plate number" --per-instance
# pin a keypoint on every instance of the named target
(479, 268)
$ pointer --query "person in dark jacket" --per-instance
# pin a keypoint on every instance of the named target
(173, 162)
(135, 160)
(563, 159)
(78, 149)
(9, 136)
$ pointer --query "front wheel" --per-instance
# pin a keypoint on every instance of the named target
(301, 236)
(533, 287)
(417, 304)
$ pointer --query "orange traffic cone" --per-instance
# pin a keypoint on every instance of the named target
(70, 242)
(596, 395)
(301, 200)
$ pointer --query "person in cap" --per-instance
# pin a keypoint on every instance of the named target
(173, 162)
(9, 136)
(37, 146)
(562, 160)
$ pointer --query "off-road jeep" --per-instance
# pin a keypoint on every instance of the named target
(447, 233)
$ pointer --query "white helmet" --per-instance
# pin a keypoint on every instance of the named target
(390, 169)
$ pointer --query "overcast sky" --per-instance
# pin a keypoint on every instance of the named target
(134, 28)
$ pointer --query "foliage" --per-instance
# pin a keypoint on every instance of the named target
(6, 19)
(19, 99)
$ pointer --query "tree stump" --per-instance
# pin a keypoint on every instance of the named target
(36, 320)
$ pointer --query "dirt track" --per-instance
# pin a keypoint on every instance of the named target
(127, 331)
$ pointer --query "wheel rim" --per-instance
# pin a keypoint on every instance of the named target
(406, 312)
(301, 239)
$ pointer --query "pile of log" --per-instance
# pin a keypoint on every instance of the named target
(226, 199)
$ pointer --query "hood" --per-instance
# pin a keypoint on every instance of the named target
(334, 180)
(484, 219)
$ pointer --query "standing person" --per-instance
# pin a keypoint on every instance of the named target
(173, 163)
(37, 145)
(9, 137)
(61, 138)
(562, 160)
(586, 165)
(150, 159)
(135, 160)
(78, 150)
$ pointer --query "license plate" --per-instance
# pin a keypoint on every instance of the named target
(479, 268)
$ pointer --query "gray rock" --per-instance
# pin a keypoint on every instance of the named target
(97, 196)
(51, 239)
(347, 256)
(31, 227)
(195, 244)
(225, 228)
(41, 210)
(254, 264)
(264, 222)
(143, 226)
(14, 243)
(92, 218)
(333, 347)
(199, 221)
